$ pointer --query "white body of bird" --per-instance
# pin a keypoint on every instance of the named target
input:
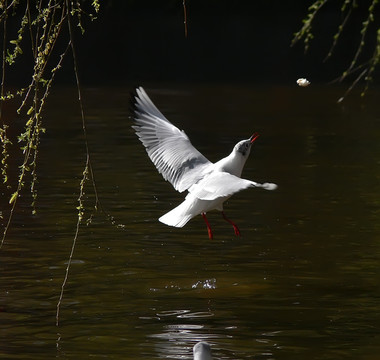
(208, 184)
(202, 351)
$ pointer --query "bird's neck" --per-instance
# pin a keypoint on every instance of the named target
(233, 164)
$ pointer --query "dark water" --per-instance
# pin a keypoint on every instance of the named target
(301, 283)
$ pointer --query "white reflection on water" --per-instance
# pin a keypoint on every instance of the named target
(178, 339)
(199, 284)
(206, 284)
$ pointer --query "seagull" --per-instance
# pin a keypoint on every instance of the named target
(208, 184)
(202, 351)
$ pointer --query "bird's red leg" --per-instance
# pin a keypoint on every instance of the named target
(236, 229)
(210, 235)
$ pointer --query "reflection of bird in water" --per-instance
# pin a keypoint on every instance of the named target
(209, 185)
(202, 351)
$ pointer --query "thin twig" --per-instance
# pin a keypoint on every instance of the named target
(337, 36)
(305, 31)
(185, 17)
(5, 12)
(352, 85)
(87, 168)
(34, 137)
(72, 249)
(354, 70)
(3, 66)
(362, 42)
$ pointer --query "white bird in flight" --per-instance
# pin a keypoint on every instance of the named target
(202, 351)
(208, 184)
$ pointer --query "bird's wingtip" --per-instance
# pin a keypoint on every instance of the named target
(270, 186)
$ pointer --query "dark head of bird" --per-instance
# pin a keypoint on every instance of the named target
(244, 147)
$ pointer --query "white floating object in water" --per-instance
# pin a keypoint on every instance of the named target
(202, 351)
(303, 82)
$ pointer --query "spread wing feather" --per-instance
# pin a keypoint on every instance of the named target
(169, 148)
(221, 184)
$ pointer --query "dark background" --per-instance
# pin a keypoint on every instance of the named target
(238, 41)
(228, 41)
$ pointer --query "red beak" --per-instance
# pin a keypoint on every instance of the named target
(254, 137)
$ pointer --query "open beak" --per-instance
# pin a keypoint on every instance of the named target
(254, 137)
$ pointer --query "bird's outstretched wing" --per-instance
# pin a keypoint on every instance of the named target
(169, 148)
(221, 184)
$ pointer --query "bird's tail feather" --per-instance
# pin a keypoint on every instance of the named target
(179, 216)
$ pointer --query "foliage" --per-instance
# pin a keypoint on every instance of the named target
(358, 67)
(45, 28)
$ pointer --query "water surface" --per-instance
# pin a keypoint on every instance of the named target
(301, 283)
